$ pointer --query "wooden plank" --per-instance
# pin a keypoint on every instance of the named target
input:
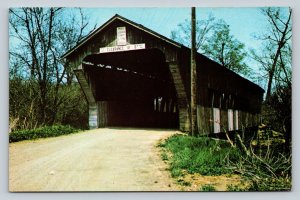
(217, 121)
(224, 120)
(203, 120)
(184, 123)
(156, 104)
(162, 105)
(199, 119)
(184, 119)
(230, 120)
(93, 116)
(241, 118)
(103, 113)
(85, 86)
(236, 120)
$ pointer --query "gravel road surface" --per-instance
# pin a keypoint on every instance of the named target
(108, 159)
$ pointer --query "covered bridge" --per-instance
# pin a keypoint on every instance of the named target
(133, 76)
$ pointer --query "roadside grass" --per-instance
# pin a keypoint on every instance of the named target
(267, 165)
(271, 172)
(198, 155)
(235, 188)
(185, 155)
(42, 132)
(207, 188)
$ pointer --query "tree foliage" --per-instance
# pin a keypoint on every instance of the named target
(38, 76)
(226, 50)
(203, 29)
(213, 39)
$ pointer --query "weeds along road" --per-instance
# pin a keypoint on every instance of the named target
(96, 160)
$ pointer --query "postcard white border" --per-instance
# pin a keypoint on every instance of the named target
(4, 5)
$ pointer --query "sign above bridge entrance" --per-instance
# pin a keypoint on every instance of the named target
(122, 48)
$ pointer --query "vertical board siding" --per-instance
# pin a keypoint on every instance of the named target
(224, 120)
(103, 113)
(184, 123)
(236, 120)
(93, 116)
(225, 100)
(217, 121)
(230, 120)
(204, 120)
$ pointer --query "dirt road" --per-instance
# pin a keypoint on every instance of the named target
(96, 160)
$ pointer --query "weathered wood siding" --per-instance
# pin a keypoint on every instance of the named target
(103, 113)
(217, 87)
(107, 38)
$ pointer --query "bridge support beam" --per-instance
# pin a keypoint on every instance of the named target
(87, 90)
(184, 121)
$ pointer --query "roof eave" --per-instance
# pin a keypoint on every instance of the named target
(138, 26)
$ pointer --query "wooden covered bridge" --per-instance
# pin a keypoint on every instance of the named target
(133, 76)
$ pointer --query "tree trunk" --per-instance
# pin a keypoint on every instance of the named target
(271, 73)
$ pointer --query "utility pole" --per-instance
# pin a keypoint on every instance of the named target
(193, 75)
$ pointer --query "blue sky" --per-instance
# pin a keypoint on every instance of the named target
(244, 22)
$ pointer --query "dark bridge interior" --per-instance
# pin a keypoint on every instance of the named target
(133, 88)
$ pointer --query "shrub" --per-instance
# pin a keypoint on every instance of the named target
(42, 132)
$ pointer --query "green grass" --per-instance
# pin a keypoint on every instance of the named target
(199, 155)
(207, 188)
(183, 182)
(268, 174)
(271, 184)
(164, 156)
(270, 171)
(42, 132)
(235, 188)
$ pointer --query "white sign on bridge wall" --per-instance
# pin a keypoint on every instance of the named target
(121, 36)
(122, 48)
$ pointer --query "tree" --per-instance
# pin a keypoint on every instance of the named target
(225, 49)
(38, 38)
(275, 56)
(203, 28)
(215, 41)
(280, 103)
(275, 60)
